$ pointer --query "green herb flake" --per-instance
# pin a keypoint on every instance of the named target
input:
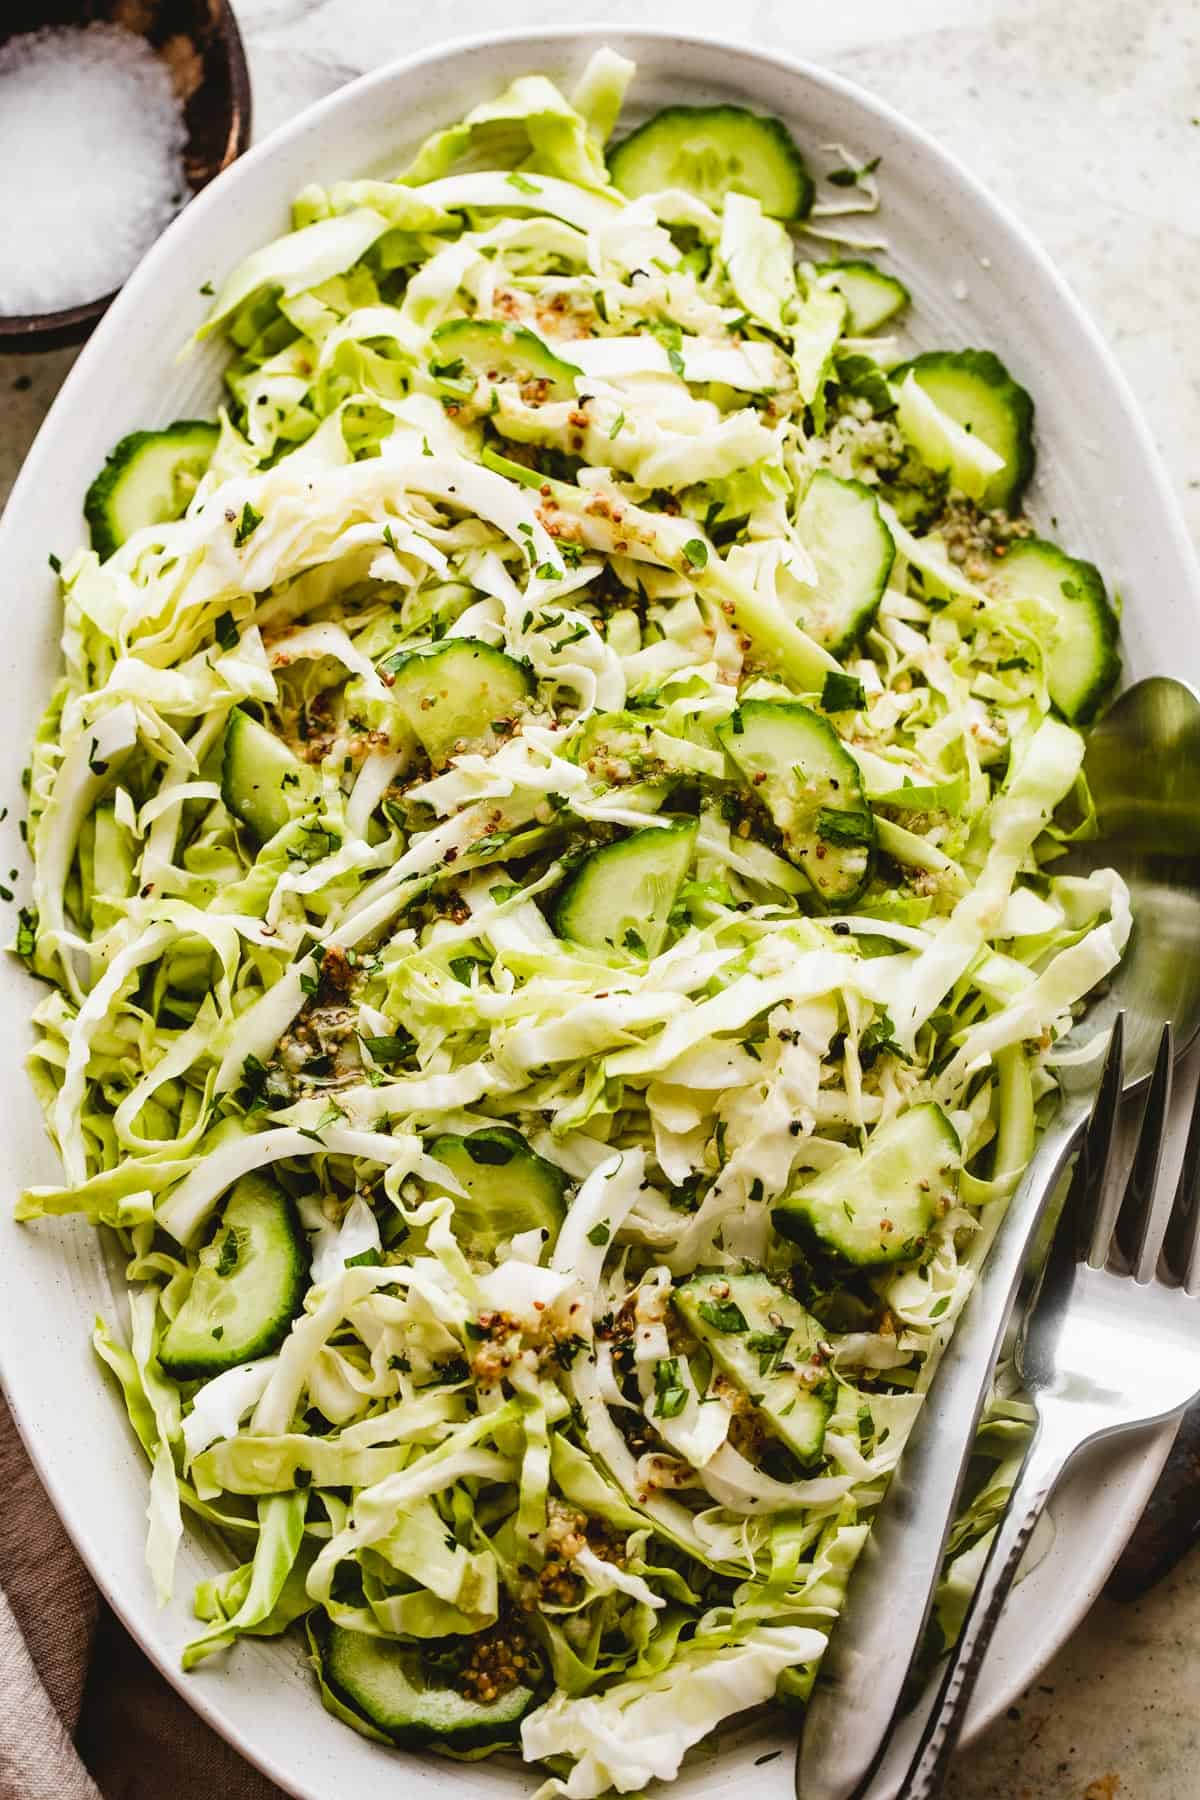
(846, 178)
(330, 1116)
(671, 1395)
(723, 1315)
(522, 186)
(27, 926)
(599, 1234)
(768, 1346)
(845, 829)
(366, 1259)
(617, 427)
(390, 1049)
(696, 553)
(247, 525)
(878, 1037)
(842, 693)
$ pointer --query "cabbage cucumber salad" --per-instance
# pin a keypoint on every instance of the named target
(545, 871)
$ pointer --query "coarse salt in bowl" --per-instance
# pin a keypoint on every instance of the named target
(106, 131)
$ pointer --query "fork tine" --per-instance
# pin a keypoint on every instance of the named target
(1078, 1222)
(1136, 1235)
(1183, 1227)
(1088, 1183)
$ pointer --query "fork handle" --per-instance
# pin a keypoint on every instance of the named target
(1042, 1467)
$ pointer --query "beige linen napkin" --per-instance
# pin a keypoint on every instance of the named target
(83, 1714)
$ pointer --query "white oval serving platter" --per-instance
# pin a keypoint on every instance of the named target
(1099, 478)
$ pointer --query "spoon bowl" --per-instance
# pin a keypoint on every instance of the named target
(1143, 768)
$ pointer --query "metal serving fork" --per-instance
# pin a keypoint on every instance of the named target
(1112, 1341)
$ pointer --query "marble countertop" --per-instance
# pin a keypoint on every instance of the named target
(1084, 116)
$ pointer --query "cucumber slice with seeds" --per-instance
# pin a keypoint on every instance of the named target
(149, 479)
(843, 531)
(976, 391)
(622, 894)
(502, 352)
(248, 1289)
(711, 151)
(876, 1207)
(812, 787)
(262, 781)
(462, 695)
(507, 1188)
(1083, 662)
(764, 1341)
(397, 1688)
(872, 298)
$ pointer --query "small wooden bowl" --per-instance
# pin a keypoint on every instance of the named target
(201, 45)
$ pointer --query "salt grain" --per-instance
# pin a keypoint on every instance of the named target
(91, 162)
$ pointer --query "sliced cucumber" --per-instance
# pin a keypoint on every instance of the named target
(507, 1188)
(1083, 662)
(619, 748)
(397, 1687)
(764, 1341)
(975, 390)
(843, 531)
(502, 352)
(248, 1289)
(460, 695)
(615, 747)
(877, 1206)
(262, 781)
(712, 151)
(872, 298)
(622, 894)
(149, 479)
(812, 788)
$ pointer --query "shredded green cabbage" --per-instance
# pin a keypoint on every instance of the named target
(524, 1451)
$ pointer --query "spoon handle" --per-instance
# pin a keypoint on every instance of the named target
(866, 1667)
(927, 1771)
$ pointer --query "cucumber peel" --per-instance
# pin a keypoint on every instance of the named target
(975, 390)
(712, 151)
(148, 479)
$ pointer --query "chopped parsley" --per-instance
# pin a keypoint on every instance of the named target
(847, 178)
(842, 693)
(247, 525)
(723, 1315)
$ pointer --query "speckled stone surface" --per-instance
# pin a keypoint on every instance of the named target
(1084, 115)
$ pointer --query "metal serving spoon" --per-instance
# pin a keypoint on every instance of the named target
(1143, 767)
